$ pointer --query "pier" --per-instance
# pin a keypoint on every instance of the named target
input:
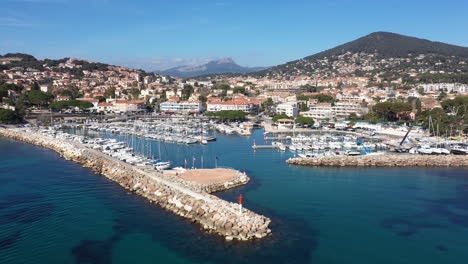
(188, 199)
(391, 160)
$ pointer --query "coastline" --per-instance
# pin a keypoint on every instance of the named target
(189, 200)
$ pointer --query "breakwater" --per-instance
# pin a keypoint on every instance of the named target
(403, 160)
(188, 200)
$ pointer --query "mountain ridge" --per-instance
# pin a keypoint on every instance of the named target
(377, 46)
(219, 66)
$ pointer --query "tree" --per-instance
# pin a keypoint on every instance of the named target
(187, 91)
(324, 98)
(8, 116)
(110, 92)
(390, 111)
(305, 120)
(60, 105)
(35, 87)
(73, 92)
(281, 116)
(39, 98)
(239, 90)
(229, 115)
(442, 96)
(268, 102)
(100, 98)
(135, 93)
(203, 99)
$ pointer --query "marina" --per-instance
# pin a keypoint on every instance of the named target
(317, 201)
(186, 196)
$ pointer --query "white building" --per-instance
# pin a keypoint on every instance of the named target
(290, 109)
(340, 109)
(241, 105)
(320, 111)
(182, 107)
(447, 87)
(170, 106)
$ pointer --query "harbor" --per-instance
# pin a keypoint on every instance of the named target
(186, 196)
(310, 216)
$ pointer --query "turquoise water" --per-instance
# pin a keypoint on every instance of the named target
(54, 211)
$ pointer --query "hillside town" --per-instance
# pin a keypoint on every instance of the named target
(66, 86)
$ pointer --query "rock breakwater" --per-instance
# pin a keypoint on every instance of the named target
(188, 200)
(403, 160)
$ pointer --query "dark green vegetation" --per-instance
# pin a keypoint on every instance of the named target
(391, 45)
(60, 105)
(8, 116)
(4, 87)
(228, 115)
(392, 111)
(322, 98)
(451, 120)
(304, 120)
(281, 116)
(39, 98)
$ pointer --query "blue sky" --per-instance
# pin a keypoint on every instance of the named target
(156, 34)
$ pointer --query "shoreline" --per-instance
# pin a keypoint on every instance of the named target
(391, 160)
(186, 199)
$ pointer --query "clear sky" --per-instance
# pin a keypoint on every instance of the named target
(157, 34)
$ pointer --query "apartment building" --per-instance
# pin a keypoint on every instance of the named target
(240, 105)
(290, 109)
(339, 109)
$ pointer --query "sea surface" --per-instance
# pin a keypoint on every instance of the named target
(54, 211)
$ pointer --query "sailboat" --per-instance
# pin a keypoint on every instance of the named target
(160, 164)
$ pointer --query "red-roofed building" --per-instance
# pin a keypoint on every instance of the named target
(122, 106)
(105, 107)
(62, 98)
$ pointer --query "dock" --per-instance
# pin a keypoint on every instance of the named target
(267, 146)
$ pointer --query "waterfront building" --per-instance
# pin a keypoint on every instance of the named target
(339, 109)
(240, 105)
(122, 106)
(290, 109)
(173, 106)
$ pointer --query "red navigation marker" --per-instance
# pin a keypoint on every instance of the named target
(241, 198)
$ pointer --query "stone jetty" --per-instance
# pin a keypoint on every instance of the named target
(186, 199)
(403, 160)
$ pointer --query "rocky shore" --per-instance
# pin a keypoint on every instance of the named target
(188, 200)
(403, 160)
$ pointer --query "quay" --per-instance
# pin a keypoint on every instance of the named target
(391, 160)
(188, 196)
(267, 146)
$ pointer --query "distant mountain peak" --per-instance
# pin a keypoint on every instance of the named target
(224, 60)
(218, 66)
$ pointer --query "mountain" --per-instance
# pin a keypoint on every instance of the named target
(221, 66)
(374, 51)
